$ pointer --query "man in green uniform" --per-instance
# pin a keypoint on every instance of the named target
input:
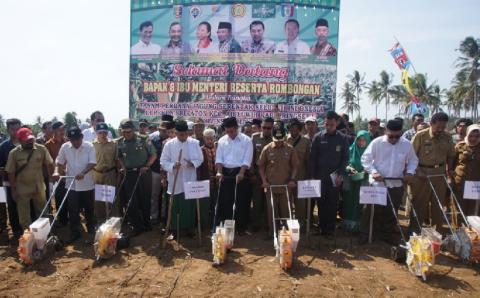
(302, 147)
(25, 174)
(104, 172)
(277, 165)
(435, 150)
(136, 155)
(259, 140)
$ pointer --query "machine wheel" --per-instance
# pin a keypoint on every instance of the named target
(398, 254)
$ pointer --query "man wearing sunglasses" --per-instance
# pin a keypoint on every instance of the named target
(259, 140)
(436, 153)
(388, 156)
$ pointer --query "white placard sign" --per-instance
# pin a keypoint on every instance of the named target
(472, 190)
(104, 193)
(309, 189)
(3, 194)
(197, 189)
(373, 195)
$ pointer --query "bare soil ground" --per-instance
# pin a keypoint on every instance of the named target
(321, 269)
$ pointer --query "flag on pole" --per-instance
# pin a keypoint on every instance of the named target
(406, 82)
(400, 57)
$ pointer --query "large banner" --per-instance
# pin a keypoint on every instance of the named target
(252, 59)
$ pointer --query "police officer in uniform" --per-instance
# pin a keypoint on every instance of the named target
(436, 153)
(136, 156)
(277, 165)
(104, 172)
(259, 140)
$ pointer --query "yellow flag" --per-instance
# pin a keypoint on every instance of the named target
(406, 82)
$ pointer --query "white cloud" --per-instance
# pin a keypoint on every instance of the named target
(359, 43)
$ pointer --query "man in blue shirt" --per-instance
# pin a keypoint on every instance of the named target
(8, 145)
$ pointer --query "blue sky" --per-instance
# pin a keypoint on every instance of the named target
(63, 55)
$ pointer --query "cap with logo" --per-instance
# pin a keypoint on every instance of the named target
(127, 124)
(101, 127)
(74, 133)
(24, 134)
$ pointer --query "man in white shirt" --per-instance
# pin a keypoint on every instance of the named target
(293, 45)
(89, 134)
(191, 159)
(388, 156)
(145, 46)
(233, 158)
(77, 158)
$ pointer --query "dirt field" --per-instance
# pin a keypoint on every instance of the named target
(185, 270)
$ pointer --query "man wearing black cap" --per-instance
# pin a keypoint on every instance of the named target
(191, 159)
(53, 146)
(302, 147)
(256, 125)
(259, 141)
(77, 158)
(136, 155)
(322, 47)
(233, 159)
(227, 44)
(327, 162)
(388, 156)
(105, 172)
(277, 165)
(157, 139)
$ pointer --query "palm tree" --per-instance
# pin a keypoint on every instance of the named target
(70, 120)
(358, 83)
(429, 94)
(468, 64)
(348, 95)
(2, 124)
(386, 91)
(374, 92)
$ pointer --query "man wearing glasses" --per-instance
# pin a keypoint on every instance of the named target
(388, 156)
(90, 134)
(259, 140)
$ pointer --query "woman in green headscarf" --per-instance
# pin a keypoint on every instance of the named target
(356, 177)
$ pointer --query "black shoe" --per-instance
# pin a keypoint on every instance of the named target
(74, 236)
(90, 238)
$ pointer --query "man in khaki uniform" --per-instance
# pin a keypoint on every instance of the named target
(277, 165)
(259, 141)
(25, 173)
(104, 171)
(435, 150)
(302, 147)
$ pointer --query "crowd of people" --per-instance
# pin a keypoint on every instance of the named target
(246, 166)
